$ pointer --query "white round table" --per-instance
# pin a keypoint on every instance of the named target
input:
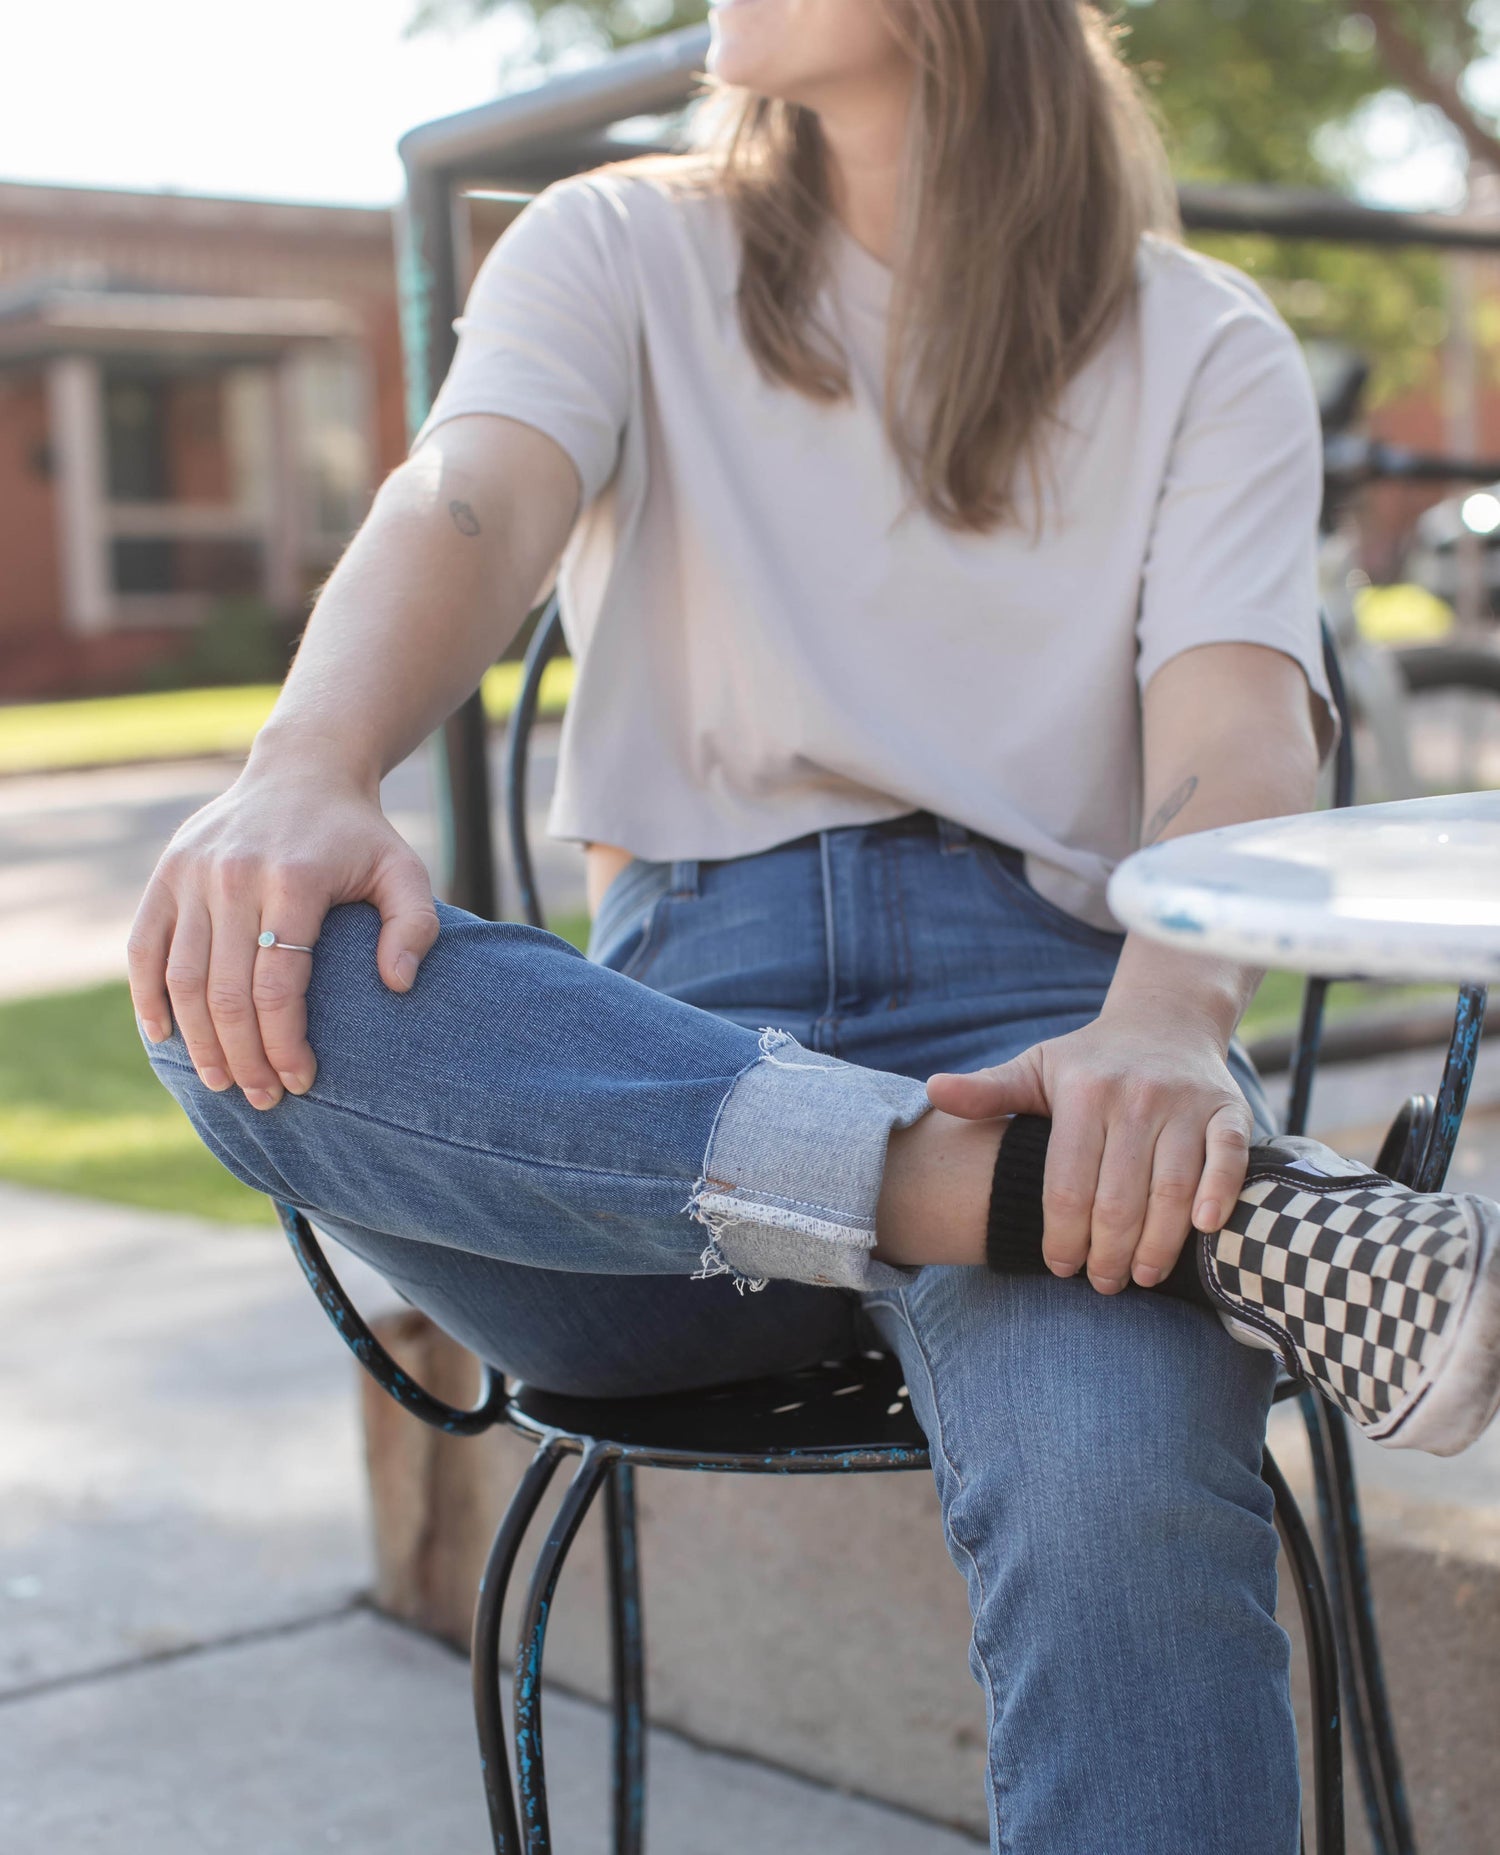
(1409, 890)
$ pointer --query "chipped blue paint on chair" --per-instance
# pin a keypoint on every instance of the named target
(851, 1416)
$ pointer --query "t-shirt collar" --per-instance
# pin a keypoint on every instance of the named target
(863, 280)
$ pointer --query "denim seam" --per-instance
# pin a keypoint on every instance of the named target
(991, 1782)
(903, 960)
(828, 1017)
(649, 945)
(463, 1146)
(774, 1200)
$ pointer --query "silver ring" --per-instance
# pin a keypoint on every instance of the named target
(268, 939)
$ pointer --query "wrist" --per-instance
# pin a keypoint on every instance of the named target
(1214, 1017)
(282, 748)
(1166, 983)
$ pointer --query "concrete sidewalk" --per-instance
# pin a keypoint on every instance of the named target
(77, 850)
(185, 1662)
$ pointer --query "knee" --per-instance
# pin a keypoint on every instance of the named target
(249, 1141)
(1116, 1448)
(1155, 1525)
(222, 1118)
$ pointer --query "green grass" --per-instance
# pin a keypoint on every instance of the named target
(1277, 1005)
(81, 1111)
(183, 724)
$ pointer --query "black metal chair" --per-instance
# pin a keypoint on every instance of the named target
(852, 1417)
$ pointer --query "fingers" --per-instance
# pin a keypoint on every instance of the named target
(241, 1008)
(1175, 1174)
(1228, 1142)
(1121, 1199)
(1120, 1202)
(146, 961)
(187, 987)
(231, 963)
(1074, 1150)
(402, 891)
(973, 1097)
(278, 989)
(1016, 1087)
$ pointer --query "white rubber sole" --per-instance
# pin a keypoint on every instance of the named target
(1463, 1395)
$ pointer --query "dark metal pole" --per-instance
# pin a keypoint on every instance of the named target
(427, 283)
(1286, 212)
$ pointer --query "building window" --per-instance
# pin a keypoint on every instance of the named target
(195, 565)
(330, 393)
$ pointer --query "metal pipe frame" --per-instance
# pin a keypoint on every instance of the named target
(1453, 1091)
(531, 1782)
(493, 1402)
(484, 1647)
(627, 1660)
(1377, 1759)
(1322, 1663)
(546, 641)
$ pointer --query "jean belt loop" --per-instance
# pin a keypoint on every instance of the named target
(952, 835)
(685, 876)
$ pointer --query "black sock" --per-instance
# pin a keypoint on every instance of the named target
(1013, 1242)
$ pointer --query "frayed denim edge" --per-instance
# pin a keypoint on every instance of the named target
(714, 1209)
(720, 1205)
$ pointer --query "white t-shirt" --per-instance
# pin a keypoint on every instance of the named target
(765, 646)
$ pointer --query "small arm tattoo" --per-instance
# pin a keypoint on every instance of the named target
(464, 518)
(1169, 808)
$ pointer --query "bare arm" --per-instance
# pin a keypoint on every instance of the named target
(432, 588)
(1150, 1129)
(1227, 737)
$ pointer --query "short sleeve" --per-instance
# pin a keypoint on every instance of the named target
(1233, 556)
(548, 333)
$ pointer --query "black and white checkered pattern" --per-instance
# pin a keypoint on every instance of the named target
(1355, 1279)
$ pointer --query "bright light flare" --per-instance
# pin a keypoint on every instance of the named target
(1481, 513)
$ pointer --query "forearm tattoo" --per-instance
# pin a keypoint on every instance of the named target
(464, 518)
(1169, 808)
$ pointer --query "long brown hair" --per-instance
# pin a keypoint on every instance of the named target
(1032, 167)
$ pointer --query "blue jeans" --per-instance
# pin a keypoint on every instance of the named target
(657, 1167)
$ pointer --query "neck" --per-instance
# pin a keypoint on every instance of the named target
(866, 138)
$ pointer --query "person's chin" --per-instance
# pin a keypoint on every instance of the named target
(733, 54)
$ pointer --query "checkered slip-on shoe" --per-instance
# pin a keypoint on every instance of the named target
(1385, 1299)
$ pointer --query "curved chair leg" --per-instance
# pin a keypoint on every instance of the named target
(1376, 1756)
(627, 1660)
(484, 1651)
(1453, 1090)
(531, 1780)
(1322, 1661)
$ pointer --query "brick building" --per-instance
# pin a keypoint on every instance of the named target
(197, 399)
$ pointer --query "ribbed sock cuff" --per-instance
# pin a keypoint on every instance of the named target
(1013, 1229)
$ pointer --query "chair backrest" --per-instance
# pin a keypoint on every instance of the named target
(1315, 992)
(547, 640)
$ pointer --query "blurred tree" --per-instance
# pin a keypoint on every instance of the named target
(1290, 92)
(1311, 93)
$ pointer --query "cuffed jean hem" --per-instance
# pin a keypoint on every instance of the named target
(793, 1170)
